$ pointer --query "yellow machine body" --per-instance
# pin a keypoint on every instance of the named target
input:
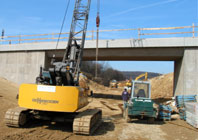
(128, 83)
(52, 98)
(113, 84)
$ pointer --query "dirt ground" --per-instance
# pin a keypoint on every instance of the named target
(113, 126)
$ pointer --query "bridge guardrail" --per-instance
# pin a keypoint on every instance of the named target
(138, 33)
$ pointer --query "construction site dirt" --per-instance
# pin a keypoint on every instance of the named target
(113, 126)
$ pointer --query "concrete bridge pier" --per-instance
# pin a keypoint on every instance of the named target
(186, 73)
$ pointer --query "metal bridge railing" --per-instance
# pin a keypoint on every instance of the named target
(136, 33)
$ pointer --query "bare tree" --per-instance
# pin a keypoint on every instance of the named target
(105, 72)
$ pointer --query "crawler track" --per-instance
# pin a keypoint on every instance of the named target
(87, 122)
(16, 117)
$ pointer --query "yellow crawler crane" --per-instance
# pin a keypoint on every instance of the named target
(57, 96)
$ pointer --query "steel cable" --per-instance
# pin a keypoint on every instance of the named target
(63, 22)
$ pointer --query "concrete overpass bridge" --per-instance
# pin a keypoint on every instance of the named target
(20, 62)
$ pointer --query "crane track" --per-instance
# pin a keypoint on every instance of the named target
(15, 117)
(86, 122)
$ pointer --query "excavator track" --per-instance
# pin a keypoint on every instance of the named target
(86, 122)
(16, 117)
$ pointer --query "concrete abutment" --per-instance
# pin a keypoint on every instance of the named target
(186, 73)
(21, 67)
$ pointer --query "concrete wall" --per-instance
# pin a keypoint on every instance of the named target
(21, 67)
(186, 73)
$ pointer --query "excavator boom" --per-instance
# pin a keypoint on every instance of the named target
(142, 75)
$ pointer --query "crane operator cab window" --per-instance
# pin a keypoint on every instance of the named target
(140, 89)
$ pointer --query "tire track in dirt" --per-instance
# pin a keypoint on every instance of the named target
(42, 132)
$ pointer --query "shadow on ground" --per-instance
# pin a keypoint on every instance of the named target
(104, 128)
(67, 127)
(107, 96)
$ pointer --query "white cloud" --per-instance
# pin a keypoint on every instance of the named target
(142, 7)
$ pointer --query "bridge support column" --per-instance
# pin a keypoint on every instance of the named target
(186, 73)
(21, 67)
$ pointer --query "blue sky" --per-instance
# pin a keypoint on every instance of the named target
(45, 16)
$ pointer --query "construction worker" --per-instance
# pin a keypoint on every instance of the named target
(125, 97)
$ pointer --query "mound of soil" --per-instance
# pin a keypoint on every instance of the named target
(162, 86)
(8, 92)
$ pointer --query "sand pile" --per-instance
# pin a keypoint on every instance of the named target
(95, 86)
(8, 92)
(83, 81)
(162, 86)
(122, 83)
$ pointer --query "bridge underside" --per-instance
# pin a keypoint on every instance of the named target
(127, 54)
